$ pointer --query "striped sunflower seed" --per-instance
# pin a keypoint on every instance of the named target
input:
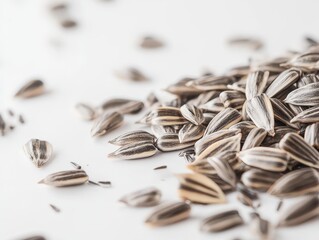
(233, 99)
(308, 79)
(305, 61)
(121, 105)
(300, 212)
(310, 115)
(38, 151)
(85, 111)
(32, 88)
(259, 180)
(282, 82)
(204, 98)
(138, 136)
(183, 87)
(190, 132)
(247, 197)
(192, 114)
(208, 117)
(106, 123)
(159, 130)
(299, 150)
(245, 127)
(282, 113)
(147, 197)
(255, 137)
(134, 151)
(256, 83)
(171, 142)
(198, 188)
(261, 227)
(169, 213)
(304, 96)
(223, 120)
(269, 159)
(221, 221)
(280, 132)
(214, 106)
(209, 83)
(296, 183)
(312, 135)
(66, 178)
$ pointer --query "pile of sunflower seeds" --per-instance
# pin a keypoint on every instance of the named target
(253, 129)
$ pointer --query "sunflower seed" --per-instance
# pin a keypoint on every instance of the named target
(269, 159)
(259, 109)
(300, 212)
(184, 88)
(31, 89)
(75, 165)
(261, 227)
(311, 41)
(106, 123)
(190, 132)
(215, 105)
(247, 197)
(304, 96)
(150, 42)
(204, 98)
(255, 137)
(59, 7)
(132, 74)
(300, 150)
(138, 136)
(121, 105)
(169, 213)
(170, 142)
(221, 221)
(280, 132)
(35, 238)
(233, 99)
(134, 151)
(256, 83)
(223, 120)
(2, 125)
(282, 82)
(209, 83)
(198, 188)
(308, 79)
(38, 151)
(192, 114)
(103, 184)
(55, 208)
(312, 135)
(189, 155)
(245, 127)
(282, 113)
(160, 167)
(143, 198)
(258, 179)
(296, 183)
(85, 111)
(224, 186)
(310, 115)
(208, 117)
(66, 178)
(305, 61)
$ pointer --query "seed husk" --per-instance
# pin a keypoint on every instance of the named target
(150, 42)
(170, 142)
(282, 82)
(31, 89)
(282, 113)
(223, 120)
(160, 167)
(104, 184)
(75, 165)
(221, 221)
(259, 180)
(256, 83)
(260, 110)
(106, 123)
(312, 135)
(138, 136)
(192, 114)
(147, 197)
(247, 197)
(38, 151)
(66, 178)
(134, 151)
(300, 212)
(299, 150)
(255, 137)
(169, 213)
(233, 99)
(269, 159)
(307, 95)
(310, 115)
(190, 132)
(121, 105)
(85, 111)
(296, 183)
(198, 188)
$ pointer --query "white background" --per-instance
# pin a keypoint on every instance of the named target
(81, 68)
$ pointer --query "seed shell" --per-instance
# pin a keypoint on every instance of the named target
(256, 83)
(190, 132)
(282, 113)
(121, 105)
(192, 114)
(171, 142)
(85, 111)
(233, 99)
(310, 115)
(255, 137)
(312, 135)
(38, 151)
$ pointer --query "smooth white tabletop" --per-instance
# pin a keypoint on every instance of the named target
(78, 65)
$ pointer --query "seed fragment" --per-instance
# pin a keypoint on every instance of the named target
(55, 208)
(169, 213)
(259, 180)
(104, 184)
(147, 197)
(134, 151)
(75, 165)
(138, 136)
(192, 114)
(300, 212)
(307, 95)
(106, 123)
(246, 42)
(85, 111)
(300, 150)
(68, 23)
(38, 151)
(190, 132)
(21, 119)
(31, 89)
(150, 42)
(221, 221)
(198, 188)
(296, 183)
(66, 178)
(215, 105)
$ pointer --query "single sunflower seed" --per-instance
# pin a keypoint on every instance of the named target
(192, 114)
(134, 151)
(121, 105)
(138, 136)
(66, 178)
(233, 99)
(31, 89)
(310, 115)
(38, 151)
(307, 95)
(259, 180)
(132, 74)
(255, 137)
(106, 123)
(282, 113)
(150, 42)
(256, 83)
(247, 197)
(147, 197)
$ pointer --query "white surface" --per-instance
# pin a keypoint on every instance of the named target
(81, 69)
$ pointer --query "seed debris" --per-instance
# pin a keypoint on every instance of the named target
(55, 208)
(160, 167)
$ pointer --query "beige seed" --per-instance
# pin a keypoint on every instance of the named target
(150, 42)
(31, 89)
(134, 151)
(38, 151)
(121, 105)
(304, 96)
(131, 74)
(147, 197)
(106, 123)
(66, 178)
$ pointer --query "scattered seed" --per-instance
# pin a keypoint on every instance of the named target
(103, 184)
(134, 151)
(147, 197)
(250, 43)
(31, 89)
(138, 136)
(85, 111)
(21, 119)
(106, 123)
(66, 178)
(38, 151)
(2, 126)
(121, 105)
(68, 23)
(132, 74)
(150, 42)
